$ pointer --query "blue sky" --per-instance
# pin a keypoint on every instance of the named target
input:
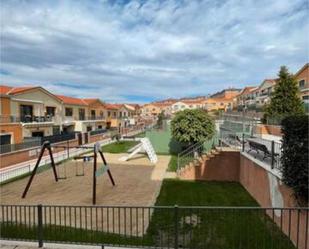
(139, 51)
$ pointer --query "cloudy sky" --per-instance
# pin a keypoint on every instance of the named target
(138, 51)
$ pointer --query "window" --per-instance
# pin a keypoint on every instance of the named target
(50, 110)
(108, 113)
(301, 83)
(115, 114)
(221, 104)
(101, 114)
(68, 112)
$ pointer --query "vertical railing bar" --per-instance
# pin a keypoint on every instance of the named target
(176, 226)
(297, 232)
(306, 229)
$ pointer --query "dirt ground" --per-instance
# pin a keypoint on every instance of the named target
(137, 181)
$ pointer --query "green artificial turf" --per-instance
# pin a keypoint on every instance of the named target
(119, 147)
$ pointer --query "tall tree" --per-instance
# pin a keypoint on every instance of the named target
(285, 100)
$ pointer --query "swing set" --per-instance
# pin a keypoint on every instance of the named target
(85, 158)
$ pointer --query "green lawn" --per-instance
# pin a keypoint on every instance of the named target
(119, 147)
(214, 228)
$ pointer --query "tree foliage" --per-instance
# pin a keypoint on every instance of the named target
(295, 155)
(285, 100)
(192, 126)
(160, 119)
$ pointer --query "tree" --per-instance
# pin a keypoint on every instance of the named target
(285, 100)
(192, 126)
(161, 117)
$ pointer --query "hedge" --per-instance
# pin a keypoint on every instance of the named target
(295, 155)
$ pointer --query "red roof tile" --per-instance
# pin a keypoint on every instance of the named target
(5, 89)
(71, 100)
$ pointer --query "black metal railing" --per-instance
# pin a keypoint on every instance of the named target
(6, 148)
(158, 227)
(25, 119)
(96, 132)
(263, 150)
(59, 138)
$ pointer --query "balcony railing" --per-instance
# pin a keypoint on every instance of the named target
(25, 119)
(83, 118)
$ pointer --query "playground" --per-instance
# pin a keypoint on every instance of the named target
(137, 182)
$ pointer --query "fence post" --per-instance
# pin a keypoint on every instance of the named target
(176, 225)
(243, 142)
(40, 226)
(272, 154)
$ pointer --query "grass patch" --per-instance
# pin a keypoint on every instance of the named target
(119, 147)
(214, 228)
(172, 165)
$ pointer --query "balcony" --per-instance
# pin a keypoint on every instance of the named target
(27, 119)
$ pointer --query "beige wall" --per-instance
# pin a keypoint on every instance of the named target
(39, 100)
(28, 129)
(75, 109)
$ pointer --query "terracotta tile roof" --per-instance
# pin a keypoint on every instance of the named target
(89, 101)
(71, 100)
(111, 106)
(14, 90)
(248, 89)
(5, 89)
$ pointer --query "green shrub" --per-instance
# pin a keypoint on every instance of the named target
(295, 155)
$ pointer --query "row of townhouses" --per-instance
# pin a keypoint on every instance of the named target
(254, 98)
(35, 112)
(251, 98)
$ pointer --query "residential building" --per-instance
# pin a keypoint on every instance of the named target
(179, 106)
(82, 115)
(151, 109)
(246, 98)
(264, 92)
(302, 77)
(111, 111)
(11, 130)
(214, 104)
(34, 108)
(226, 93)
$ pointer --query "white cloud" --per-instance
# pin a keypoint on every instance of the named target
(152, 49)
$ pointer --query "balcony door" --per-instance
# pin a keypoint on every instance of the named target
(92, 114)
(26, 113)
(81, 113)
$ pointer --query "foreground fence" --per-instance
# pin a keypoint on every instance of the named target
(158, 227)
